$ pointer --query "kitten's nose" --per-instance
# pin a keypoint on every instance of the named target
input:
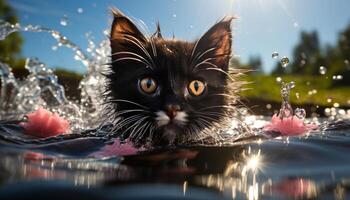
(171, 110)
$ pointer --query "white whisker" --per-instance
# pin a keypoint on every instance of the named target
(127, 101)
(199, 56)
(129, 58)
(134, 54)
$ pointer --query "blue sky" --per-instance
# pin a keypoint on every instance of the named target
(263, 26)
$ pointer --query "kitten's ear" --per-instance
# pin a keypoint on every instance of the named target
(158, 33)
(216, 42)
(123, 30)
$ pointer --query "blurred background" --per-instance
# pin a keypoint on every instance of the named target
(307, 42)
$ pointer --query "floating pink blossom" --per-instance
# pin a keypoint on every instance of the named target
(290, 126)
(43, 123)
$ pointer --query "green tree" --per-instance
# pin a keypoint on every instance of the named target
(278, 70)
(307, 54)
(10, 48)
(255, 64)
(344, 43)
(342, 64)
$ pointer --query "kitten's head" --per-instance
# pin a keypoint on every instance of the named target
(166, 90)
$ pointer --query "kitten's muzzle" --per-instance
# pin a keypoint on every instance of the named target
(172, 110)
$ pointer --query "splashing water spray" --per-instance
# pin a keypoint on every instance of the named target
(41, 88)
(287, 122)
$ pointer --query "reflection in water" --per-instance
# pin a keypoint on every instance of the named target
(36, 166)
(239, 176)
(250, 177)
(300, 169)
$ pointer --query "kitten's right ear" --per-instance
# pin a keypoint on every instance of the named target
(122, 28)
(216, 43)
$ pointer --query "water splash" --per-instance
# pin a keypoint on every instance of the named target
(286, 109)
(41, 87)
(288, 122)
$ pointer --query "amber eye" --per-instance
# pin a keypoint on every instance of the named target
(196, 87)
(148, 85)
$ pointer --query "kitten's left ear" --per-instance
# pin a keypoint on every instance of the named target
(216, 42)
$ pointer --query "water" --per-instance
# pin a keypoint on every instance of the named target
(323, 70)
(275, 55)
(40, 87)
(278, 79)
(64, 21)
(337, 77)
(80, 10)
(284, 61)
(257, 165)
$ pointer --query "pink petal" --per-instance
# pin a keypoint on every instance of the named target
(291, 126)
(42, 123)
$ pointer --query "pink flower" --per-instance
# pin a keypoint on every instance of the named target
(291, 126)
(117, 149)
(43, 123)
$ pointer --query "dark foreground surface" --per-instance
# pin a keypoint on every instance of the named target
(314, 167)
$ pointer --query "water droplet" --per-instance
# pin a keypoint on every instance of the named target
(80, 10)
(337, 77)
(284, 61)
(342, 112)
(300, 113)
(54, 48)
(292, 84)
(346, 62)
(297, 95)
(296, 24)
(63, 40)
(323, 70)
(278, 79)
(106, 32)
(275, 55)
(64, 21)
(268, 106)
(329, 100)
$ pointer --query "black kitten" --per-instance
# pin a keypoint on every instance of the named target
(167, 91)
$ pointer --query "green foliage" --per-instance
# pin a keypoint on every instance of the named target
(312, 89)
(10, 48)
(308, 56)
(254, 64)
